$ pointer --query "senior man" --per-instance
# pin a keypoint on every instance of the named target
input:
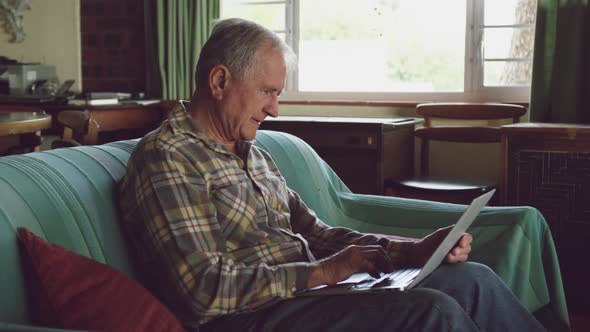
(230, 246)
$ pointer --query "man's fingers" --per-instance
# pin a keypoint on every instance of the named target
(461, 250)
(465, 240)
(370, 268)
(377, 260)
(384, 263)
(457, 259)
(370, 248)
(458, 254)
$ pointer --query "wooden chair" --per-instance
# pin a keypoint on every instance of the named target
(84, 127)
(453, 190)
(75, 126)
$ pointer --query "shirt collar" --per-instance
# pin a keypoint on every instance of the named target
(182, 123)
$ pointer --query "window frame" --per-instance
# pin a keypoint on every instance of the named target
(474, 88)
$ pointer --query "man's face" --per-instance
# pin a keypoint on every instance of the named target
(249, 101)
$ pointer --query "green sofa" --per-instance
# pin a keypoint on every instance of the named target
(68, 197)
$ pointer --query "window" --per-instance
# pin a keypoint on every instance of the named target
(402, 50)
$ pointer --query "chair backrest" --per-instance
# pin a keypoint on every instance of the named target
(464, 134)
(77, 121)
(75, 126)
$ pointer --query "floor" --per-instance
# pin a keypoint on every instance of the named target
(580, 323)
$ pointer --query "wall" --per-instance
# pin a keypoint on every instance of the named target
(52, 37)
(337, 110)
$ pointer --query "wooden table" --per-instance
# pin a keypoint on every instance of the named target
(364, 152)
(547, 166)
(108, 118)
(25, 123)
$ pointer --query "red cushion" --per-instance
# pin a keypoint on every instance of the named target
(74, 292)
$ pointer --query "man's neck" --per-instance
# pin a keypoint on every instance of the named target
(232, 147)
(202, 114)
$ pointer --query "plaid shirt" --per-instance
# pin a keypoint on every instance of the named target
(219, 235)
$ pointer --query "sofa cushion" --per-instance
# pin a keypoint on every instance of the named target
(75, 292)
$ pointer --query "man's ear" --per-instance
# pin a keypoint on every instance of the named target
(219, 77)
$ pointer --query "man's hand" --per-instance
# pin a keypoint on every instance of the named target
(423, 249)
(371, 259)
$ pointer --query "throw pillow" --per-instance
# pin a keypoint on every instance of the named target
(74, 292)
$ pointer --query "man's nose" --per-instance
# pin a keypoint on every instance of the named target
(272, 108)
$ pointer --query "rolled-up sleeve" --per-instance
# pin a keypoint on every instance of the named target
(325, 240)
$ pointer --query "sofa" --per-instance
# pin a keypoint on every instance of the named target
(67, 196)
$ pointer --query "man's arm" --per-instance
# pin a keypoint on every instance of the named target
(325, 240)
(184, 234)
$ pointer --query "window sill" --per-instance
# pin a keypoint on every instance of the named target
(404, 104)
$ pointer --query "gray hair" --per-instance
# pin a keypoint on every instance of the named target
(233, 43)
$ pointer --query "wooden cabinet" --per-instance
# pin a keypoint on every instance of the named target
(547, 166)
(364, 152)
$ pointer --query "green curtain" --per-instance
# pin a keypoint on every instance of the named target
(175, 32)
(560, 89)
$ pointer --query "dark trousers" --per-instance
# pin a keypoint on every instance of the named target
(455, 297)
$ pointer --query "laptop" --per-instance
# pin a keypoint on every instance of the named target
(404, 279)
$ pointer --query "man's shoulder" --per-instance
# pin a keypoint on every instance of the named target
(156, 151)
(162, 141)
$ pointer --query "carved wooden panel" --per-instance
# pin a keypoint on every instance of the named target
(556, 183)
(547, 166)
(113, 45)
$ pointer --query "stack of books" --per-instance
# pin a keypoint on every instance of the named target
(100, 98)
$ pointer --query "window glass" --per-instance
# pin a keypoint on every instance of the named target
(381, 46)
(508, 43)
(375, 47)
(507, 73)
(270, 15)
(504, 12)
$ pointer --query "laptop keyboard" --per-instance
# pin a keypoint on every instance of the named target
(400, 277)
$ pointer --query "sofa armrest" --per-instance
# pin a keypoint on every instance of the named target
(514, 241)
